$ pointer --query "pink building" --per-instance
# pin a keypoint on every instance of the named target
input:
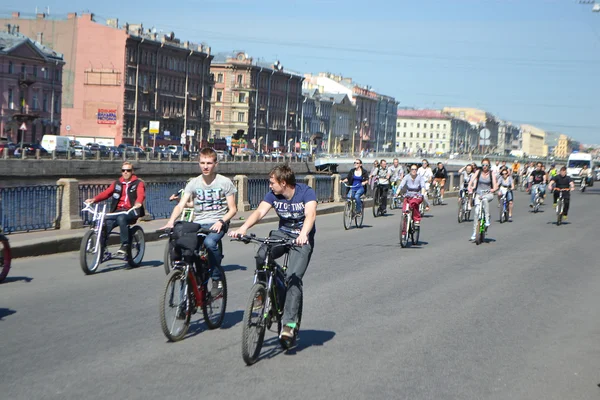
(118, 78)
(30, 88)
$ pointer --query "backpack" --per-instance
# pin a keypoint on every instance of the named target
(185, 237)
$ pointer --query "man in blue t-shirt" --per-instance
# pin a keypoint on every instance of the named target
(296, 206)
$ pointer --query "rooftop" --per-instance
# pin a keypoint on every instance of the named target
(10, 41)
(427, 114)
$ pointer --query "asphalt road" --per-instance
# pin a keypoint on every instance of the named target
(515, 318)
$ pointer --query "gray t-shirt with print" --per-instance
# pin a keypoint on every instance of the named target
(210, 201)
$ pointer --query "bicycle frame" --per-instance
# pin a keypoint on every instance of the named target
(189, 271)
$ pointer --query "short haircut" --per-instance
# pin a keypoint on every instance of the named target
(382, 160)
(127, 163)
(563, 169)
(283, 173)
(208, 152)
(395, 159)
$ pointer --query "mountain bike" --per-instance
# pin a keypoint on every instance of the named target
(504, 208)
(5, 257)
(395, 201)
(481, 230)
(187, 289)
(524, 184)
(93, 249)
(436, 193)
(350, 213)
(537, 199)
(408, 229)
(267, 299)
(377, 201)
(560, 205)
(583, 184)
(464, 200)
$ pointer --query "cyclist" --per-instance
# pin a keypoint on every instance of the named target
(213, 196)
(553, 172)
(425, 171)
(359, 178)
(372, 175)
(586, 173)
(466, 173)
(506, 185)
(562, 181)
(128, 194)
(483, 183)
(396, 175)
(296, 206)
(440, 175)
(515, 171)
(415, 192)
(383, 184)
(537, 178)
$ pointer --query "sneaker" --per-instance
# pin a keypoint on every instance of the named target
(472, 238)
(123, 250)
(530, 205)
(553, 204)
(287, 333)
(565, 218)
(510, 219)
(487, 224)
(217, 289)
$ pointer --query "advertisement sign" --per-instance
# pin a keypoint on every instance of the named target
(191, 132)
(107, 116)
(167, 133)
(154, 127)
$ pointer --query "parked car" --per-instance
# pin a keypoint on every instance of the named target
(177, 150)
(30, 149)
(7, 145)
(79, 150)
(114, 150)
(132, 151)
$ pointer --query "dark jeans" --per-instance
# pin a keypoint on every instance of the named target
(566, 199)
(297, 265)
(211, 243)
(383, 193)
(123, 221)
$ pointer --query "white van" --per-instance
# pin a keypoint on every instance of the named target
(60, 144)
(575, 163)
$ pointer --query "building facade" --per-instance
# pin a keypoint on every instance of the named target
(464, 136)
(30, 88)
(484, 120)
(422, 132)
(533, 141)
(263, 100)
(114, 87)
(508, 137)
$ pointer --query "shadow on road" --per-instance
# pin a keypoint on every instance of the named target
(198, 326)
(306, 339)
(4, 312)
(9, 279)
(234, 267)
(232, 319)
(154, 263)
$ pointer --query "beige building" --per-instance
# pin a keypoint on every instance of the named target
(423, 131)
(563, 148)
(534, 141)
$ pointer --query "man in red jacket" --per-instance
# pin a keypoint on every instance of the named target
(128, 194)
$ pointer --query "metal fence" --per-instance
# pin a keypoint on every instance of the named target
(324, 188)
(29, 208)
(157, 198)
(257, 188)
(87, 191)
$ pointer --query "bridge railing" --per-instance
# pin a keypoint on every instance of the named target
(27, 208)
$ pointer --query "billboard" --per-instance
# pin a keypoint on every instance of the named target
(107, 116)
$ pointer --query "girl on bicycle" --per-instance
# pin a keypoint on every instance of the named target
(415, 192)
(483, 184)
(506, 185)
(358, 178)
(466, 173)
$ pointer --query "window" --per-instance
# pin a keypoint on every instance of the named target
(444, 146)
(45, 102)
(242, 98)
(217, 133)
(405, 124)
(11, 68)
(23, 68)
(437, 135)
(431, 126)
(220, 78)
(218, 115)
(418, 135)
(444, 136)
(240, 79)
(241, 117)
(404, 134)
(438, 126)
(11, 100)
(57, 103)
(437, 145)
(35, 101)
(444, 126)
(431, 135)
(35, 70)
(56, 74)
(219, 96)
(418, 126)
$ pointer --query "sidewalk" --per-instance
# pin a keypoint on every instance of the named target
(40, 243)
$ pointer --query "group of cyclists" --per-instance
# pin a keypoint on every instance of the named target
(212, 197)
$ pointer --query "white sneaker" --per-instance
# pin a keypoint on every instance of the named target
(472, 238)
(487, 224)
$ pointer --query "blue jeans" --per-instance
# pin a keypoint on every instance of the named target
(542, 191)
(211, 243)
(123, 221)
(356, 193)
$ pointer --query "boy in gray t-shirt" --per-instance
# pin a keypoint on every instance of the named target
(213, 196)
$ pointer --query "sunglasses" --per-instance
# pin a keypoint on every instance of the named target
(485, 165)
(413, 169)
(126, 170)
(356, 163)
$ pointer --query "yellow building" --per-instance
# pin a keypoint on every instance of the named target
(562, 149)
(473, 115)
(534, 141)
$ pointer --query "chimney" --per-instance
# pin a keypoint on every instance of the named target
(186, 45)
(208, 50)
(40, 15)
(112, 22)
(71, 15)
(16, 15)
(40, 36)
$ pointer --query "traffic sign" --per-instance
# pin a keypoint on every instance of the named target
(154, 127)
(23, 127)
(182, 140)
(167, 133)
(191, 132)
(485, 133)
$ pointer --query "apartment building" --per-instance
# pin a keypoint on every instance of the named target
(422, 132)
(261, 99)
(533, 141)
(118, 78)
(30, 88)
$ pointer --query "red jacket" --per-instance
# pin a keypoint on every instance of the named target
(124, 199)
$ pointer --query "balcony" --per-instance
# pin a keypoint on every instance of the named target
(26, 79)
(25, 113)
(238, 85)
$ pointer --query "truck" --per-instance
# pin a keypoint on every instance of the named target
(575, 162)
(59, 144)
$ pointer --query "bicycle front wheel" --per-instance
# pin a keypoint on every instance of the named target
(404, 230)
(376, 203)
(90, 252)
(175, 307)
(559, 212)
(415, 235)
(138, 246)
(255, 323)
(213, 308)
(168, 257)
(461, 210)
(347, 215)
(358, 220)
(5, 258)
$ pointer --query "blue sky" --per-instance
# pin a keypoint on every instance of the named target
(526, 61)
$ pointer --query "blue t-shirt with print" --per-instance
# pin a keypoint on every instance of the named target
(291, 212)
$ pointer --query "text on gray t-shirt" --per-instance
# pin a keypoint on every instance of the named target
(210, 201)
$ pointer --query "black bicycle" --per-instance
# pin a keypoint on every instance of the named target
(350, 213)
(267, 299)
(560, 205)
(187, 289)
(378, 207)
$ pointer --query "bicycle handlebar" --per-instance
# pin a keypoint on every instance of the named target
(268, 240)
(169, 232)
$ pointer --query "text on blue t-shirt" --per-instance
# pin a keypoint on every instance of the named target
(291, 212)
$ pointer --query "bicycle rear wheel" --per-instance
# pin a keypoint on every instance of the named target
(255, 323)
(5, 258)
(175, 306)
(137, 247)
(347, 215)
(404, 230)
(460, 210)
(376, 203)
(213, 309)
(479, 236)
(90, 252)
(415, 235)
(358, 220)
